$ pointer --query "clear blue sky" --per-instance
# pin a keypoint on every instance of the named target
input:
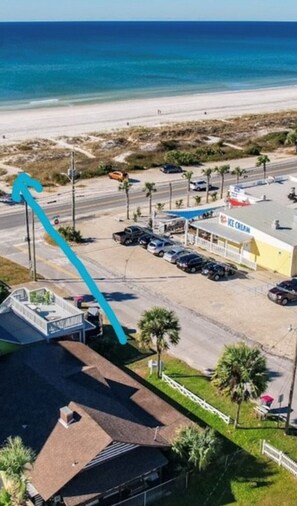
(237, 10)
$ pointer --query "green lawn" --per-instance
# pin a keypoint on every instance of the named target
(242, 476)
(7, 347)
(249, 478)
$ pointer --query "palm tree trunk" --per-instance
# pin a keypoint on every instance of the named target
(150, 205)
(264, 169)
(159, 363)
(188, 194)
(127, 205)
(237, 179)
(222, 187)
(207, 189)
(237, 415)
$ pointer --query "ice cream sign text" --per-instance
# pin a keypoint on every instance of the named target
(230, 222)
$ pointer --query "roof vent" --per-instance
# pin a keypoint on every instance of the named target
(66, 416)
(275, 224)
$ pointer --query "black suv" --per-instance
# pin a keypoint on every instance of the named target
(145, 239)
(171, 169)
(284, 292)
(191, 263)
(215, 270)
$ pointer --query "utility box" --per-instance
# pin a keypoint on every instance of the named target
(153, 366)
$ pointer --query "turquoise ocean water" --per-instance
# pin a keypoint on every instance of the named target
(62, 63)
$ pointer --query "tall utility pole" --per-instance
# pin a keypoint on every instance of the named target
(72, 177)
(28, 235)
(33, 249)
(287, 426)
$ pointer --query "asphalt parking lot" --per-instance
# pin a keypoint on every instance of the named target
(239, 303)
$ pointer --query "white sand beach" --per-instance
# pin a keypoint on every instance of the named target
(81, 119)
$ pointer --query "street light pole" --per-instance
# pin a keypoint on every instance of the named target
(28, 235)
(287, 426)
(72, 174)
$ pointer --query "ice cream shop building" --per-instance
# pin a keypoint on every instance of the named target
(260, 235)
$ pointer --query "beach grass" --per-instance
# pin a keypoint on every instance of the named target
(138, 148)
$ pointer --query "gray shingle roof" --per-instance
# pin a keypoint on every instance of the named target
(109, 404)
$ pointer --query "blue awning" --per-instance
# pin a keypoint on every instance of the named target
(190, 214)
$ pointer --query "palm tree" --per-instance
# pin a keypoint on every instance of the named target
(149, 189)
(196, 448)
(207, 173)
(292, 139)
(263, 160)
(161, 327)
(188, 176)
(238, 172)
(222, 170)
(241, 373)
(197, 199)
(14, 458)
(125, 187)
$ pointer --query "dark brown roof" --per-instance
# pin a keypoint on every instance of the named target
(110, 406)
(94, 482)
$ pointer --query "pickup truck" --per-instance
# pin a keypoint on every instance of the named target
(130, 235)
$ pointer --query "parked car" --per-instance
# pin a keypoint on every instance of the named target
(284, 292)
(118, 175)
(176, 252)
(216, 270)
(130, 235)
(159, 246)
(191, 263)
(200, 185)
(145, 239)
(171, 169)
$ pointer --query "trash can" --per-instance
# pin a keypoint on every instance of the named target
(78, 299)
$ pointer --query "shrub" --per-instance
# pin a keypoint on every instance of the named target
(253, 150)
(59, 178)
(70, 234)
(181, 157)
(169, 144)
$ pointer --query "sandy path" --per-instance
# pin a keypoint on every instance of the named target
(75, 120)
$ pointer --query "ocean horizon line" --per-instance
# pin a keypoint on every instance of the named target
(167, 21)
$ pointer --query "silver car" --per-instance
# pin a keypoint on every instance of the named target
(174, 253)
(159, 246)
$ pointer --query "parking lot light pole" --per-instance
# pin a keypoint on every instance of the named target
(28, 235)
(72, 174)
(287, 426)
(33, 248)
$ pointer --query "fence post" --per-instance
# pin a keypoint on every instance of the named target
(144, 498)
(262, 443)
(280, 457)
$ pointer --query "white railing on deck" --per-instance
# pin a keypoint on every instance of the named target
(201, 402)
(225, 252)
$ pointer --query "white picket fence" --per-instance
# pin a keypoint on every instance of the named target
(279, 457)
(201, 402)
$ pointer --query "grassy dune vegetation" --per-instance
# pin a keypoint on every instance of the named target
(139, 148)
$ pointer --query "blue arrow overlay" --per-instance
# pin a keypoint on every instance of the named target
(21, 191)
